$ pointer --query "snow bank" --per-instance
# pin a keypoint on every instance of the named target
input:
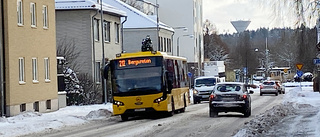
(296, 102)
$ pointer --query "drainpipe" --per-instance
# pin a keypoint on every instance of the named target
(122, 33)
(2, 63)
(94, 52)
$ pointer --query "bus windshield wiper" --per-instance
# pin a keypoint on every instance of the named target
(143, 89)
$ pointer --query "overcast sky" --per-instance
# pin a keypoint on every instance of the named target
(221, 12)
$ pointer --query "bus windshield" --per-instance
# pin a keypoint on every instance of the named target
(137, 81)
(205, 82)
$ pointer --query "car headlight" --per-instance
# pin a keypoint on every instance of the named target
(195, 91)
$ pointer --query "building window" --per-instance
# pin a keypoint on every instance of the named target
(106, 26)
(22, 107)
(36, 106)
(48, 104)
(98, 76)
(117, 32)
(46, 69)
(45, 16)
(33, 14)
(96, 29)
(34, 70)
(21, 70)
(169, 45)
(20, 12)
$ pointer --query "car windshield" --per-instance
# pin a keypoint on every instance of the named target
(228, 87)
(205, 82)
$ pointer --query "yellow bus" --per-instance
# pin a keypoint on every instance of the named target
(148, 81)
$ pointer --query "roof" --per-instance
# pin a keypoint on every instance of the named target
(87, 5)
(240, 83)
(136, 18)
(204, 77)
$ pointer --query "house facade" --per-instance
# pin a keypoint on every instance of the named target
(28, 75)
(79, 24)
(139, 25)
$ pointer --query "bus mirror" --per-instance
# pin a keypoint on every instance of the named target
(105, 71)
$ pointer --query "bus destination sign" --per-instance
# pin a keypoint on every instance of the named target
(136, 62)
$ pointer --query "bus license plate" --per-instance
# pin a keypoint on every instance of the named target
(141, 109)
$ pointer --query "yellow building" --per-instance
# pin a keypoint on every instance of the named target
(28, 41)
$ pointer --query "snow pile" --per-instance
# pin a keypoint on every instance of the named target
(99, 114)
(296, 102)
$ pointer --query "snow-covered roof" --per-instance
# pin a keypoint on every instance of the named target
(87, 4)
(136, 18)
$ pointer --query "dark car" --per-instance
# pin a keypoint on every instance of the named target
(230, 97)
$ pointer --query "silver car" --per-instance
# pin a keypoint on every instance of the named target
(230, 97)
(269, 87)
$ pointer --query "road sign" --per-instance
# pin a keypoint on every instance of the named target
(316, 61)
(189, 74)
(285, 70)
(299, 66)
(245, 70)
(299, 73)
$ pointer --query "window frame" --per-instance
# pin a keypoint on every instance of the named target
(117, 32)
(33, 12)
(34, 62)
(21, 70)
(97, 74)
(106, 27)
(45, 16)
(96, 29)
(20, 12)
(46, 69)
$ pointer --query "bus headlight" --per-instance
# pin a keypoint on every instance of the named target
(158, 100)
(118, 103)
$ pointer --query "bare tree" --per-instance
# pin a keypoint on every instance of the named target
(67, 48)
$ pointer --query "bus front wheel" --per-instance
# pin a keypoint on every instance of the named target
(124, 117)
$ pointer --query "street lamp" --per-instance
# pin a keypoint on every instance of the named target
(185, 29)
(157, 10)
(178, 39)
(247, 69)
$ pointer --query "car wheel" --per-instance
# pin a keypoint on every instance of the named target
(213, 113)
(276, 94)
(124, 117)
(260, 94)
(247, 112)
(279, 92)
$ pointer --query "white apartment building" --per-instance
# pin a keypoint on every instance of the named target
(180, 14)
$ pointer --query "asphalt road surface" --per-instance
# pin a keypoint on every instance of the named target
(194, 122)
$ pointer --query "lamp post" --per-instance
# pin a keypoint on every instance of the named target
(185, 29)
(178, 39)
(104, 83)
(157, 10)
(247, 69)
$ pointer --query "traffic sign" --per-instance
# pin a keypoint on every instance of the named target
(285, 70)
(189, 74)
(316, 61)
(299, 73)
(299, 66)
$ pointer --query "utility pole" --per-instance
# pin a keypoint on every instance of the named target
(104, 84)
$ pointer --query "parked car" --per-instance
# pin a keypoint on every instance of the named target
(269, 87)
(230, 97)
(203, 87)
